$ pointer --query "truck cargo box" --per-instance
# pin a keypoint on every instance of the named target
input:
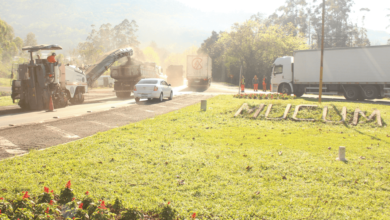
(363, 65)
(199, 70)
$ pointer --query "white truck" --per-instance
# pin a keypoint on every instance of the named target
(199, 70)
(357, 73)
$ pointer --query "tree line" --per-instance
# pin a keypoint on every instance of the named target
(296, 25)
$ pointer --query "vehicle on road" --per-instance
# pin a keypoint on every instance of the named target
(199, 71)
(153, 88)
(40, 80)
(125, 75)
(358, 73)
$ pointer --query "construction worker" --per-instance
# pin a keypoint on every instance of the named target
(255, 82)
(242, 84)
(264, 84)
(52, 58)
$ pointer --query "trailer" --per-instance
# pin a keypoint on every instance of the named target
(357, 73)
(199, 71)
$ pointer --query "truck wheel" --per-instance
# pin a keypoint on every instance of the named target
(299, 92)
(285, 89)
(370, 92)
(23, 105)
(351, 93)
(81, 98)
(137, 99)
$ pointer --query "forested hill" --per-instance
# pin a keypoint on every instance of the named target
(168, 22)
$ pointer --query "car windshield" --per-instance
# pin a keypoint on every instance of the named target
(147, 82)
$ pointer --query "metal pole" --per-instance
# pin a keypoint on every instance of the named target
(322, 50)
(239, 82)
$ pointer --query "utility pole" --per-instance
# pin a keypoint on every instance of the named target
(322, 50)
(239, 82)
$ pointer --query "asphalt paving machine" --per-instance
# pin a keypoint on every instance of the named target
(39, 80)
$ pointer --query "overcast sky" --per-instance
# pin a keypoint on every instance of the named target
(375, 19)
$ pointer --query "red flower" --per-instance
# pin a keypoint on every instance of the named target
(73, 199)
(68, 185)
(0, 211)
(47, 210)
(51, 202)
(46, 189)
(102, 206)
(52, 191)
(169, 203)
(1, 198)
(81, 205)
(26, 196)
(193, 215)
(87, 193)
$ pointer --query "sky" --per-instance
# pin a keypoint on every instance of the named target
(375, 19)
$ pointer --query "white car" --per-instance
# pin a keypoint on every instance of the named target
(152, 88)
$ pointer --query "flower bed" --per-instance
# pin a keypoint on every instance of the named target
(48, 205)
(265, 96)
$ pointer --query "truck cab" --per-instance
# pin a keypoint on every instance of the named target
(282, 75)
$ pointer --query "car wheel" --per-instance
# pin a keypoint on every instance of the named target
(171, 96)
(161, 97)
(136, 99)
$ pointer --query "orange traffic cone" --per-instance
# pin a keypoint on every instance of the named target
(51, 106)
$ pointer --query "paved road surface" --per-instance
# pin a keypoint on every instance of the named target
(5, 89)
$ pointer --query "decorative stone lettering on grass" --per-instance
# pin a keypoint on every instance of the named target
(297, 110)
(376, 113)
(355, 121)
(288, 107)
(343, 115)
(244, 106)
(261, 107)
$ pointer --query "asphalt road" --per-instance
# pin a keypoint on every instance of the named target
(101, 111)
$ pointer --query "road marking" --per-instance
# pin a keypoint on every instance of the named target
(6, 143)
(63, 133)
(100, 123)
(9, 147)
(148, 111)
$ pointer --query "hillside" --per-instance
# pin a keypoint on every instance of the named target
(167, 22)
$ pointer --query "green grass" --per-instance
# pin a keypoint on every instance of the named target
(231, 167)
(6, 100)
(5, 82)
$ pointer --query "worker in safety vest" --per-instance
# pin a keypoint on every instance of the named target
(242, 84)
(264, 84)
(52, 58)
(255, 82)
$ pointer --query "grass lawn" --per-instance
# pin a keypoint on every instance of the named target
(224, 167)
(6, 100)
(5, 82)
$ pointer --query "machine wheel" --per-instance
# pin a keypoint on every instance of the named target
(285, 89)
(171, 96)
(351, 93)
(123, 94)
(23, 105)
(149, 99)
(161, 98)
(370, 92)
(80, 98)
(299, 92)
(137, 99)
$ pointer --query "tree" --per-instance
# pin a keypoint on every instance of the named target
(215, 50)
(30, 40)
(10, 45)
(255, 45)
(151, 55)
(106, 39)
